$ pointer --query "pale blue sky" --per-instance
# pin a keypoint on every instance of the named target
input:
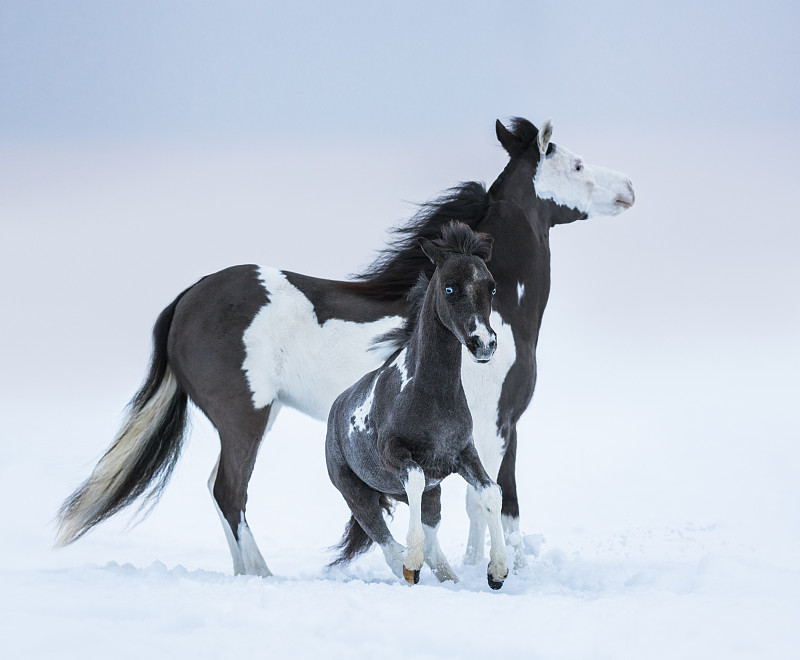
(197, 71)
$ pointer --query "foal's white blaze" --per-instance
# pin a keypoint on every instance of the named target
(415, 541)
(292, 358)
(480, 331)
(565, 179)
(520, 292)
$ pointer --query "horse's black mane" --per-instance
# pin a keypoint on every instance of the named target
(523, 130)
(397, 268)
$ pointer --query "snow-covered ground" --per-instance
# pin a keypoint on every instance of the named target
(658, 466)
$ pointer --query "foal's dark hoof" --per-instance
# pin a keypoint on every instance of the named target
(495, 584)
(412, 577)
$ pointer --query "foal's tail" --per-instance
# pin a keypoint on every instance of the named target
(355, 540)
(144, 453)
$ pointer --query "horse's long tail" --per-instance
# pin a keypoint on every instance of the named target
(355, 540)
(144, 453)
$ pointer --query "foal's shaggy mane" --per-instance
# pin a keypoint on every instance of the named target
(397, 267)
(400, 337)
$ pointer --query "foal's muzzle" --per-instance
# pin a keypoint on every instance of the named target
(482, 351)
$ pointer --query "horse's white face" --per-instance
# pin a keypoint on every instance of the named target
(565, 179)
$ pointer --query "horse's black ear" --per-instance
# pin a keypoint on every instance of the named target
(484, 250)
(509, 141)
(431, 251)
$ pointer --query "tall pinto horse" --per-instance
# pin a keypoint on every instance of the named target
(248, 340)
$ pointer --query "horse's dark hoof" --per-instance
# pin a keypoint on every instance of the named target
(412, 577)
(496, 584)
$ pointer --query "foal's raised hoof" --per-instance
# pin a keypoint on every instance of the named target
(412, 577)
(495, 584)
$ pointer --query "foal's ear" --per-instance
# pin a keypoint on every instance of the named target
(431, 250)
(545, 134)
(511, 143)
(484, 249)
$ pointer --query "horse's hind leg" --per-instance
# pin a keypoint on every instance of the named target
(240, 440)
(431, 516)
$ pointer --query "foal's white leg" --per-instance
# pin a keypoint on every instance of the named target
(477, 528)
(434, 557)
(393, 554)
(415, 541)
(247, 559)
(492, 501)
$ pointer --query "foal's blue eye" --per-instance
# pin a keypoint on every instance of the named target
(448, 290)
(494, 291)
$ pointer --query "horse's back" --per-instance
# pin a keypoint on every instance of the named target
(257, 335)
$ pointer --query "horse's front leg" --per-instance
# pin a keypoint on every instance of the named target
(507, 481)
(398, 459)
(491, 499)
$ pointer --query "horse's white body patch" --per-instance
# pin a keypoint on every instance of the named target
(360, 414)
(520, 292)
(563, 178)
(292, 358)
(483, 384)
(400, 364)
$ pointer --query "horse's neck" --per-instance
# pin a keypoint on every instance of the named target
(514, 185)
(520, 264)
(436, 354)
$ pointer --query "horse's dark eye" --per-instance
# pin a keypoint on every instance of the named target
(578, 166)
(448, 290)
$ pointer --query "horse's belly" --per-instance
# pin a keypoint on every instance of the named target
(292, 358)
(483, 384)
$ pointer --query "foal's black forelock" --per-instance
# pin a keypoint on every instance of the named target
(459, 238)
